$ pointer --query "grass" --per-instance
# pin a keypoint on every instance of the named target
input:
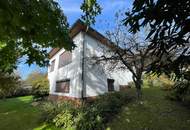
(154, 112)
(18, 113)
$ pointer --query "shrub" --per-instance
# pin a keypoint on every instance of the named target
(131, 85)
(167, 84)
(20, 91)
(181, 92)
(109, 104)
(65, 119)
(162, 81)
(88, 116)
(8, 84)
(16, 92)
(181, 89)
(40, 88)
(39, 83)
(51, 109)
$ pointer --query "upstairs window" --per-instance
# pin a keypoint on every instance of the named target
(63, 86)
(52, 65)
(65, 58)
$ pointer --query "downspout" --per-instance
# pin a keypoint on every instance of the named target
(83, 66)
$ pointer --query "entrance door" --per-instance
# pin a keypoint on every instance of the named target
(110, 85)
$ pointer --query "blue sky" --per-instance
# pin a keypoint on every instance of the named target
(71, 9)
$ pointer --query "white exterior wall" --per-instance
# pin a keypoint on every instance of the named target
(71, 71)
(96, 75)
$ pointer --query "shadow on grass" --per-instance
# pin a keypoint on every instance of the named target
(46, 127)
(18, 113)
(153, 112)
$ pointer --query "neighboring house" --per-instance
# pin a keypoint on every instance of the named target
(72, 75)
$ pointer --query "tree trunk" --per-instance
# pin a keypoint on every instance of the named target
(138, 85)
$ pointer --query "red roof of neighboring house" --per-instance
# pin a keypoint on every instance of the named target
(79, 26)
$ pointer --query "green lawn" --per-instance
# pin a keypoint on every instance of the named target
(153, 113)
(19, 114)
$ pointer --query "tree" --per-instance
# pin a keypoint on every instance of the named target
(28, 28)
(91, 9)
(8, 84)
(127, 51)
(169, 33)
(169, 24)
(40, 84)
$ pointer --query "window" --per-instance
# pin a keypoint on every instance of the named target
(65, 58)
(52, 65)
(63, 86)
(110, 85)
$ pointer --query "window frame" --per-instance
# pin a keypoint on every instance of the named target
(52, 65)
(62, 81)
(60, 65)
(112, 89)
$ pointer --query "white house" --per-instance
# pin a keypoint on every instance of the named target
(71, 75)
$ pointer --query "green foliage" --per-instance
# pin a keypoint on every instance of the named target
(168, 35)
(21, 91)
(181, 92)
(8, 84)
(66, 115)
(64, 119)
(109, 104)
(40, 88)
(131, 84)
(51, 109)
(102, 110)
(40, 84)
(91, 9)
(153, 112)
(28, 28)
(162, 81)
(88, 116)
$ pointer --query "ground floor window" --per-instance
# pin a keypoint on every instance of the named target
(63, 86)
(110, 84)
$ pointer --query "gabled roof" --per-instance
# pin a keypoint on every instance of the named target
(79, 26)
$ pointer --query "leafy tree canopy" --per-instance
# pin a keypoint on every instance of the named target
(39, 83)
(169, 22)
(28, 28)
(91, 9)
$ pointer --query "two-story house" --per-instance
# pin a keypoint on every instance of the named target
(71, 75)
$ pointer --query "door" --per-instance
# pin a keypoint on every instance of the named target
(110, 85)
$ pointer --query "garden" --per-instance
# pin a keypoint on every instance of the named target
(113, 111)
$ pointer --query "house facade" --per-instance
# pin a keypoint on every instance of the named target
(72, 74)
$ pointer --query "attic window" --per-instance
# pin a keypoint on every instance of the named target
(65, 58)
(52, 65)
